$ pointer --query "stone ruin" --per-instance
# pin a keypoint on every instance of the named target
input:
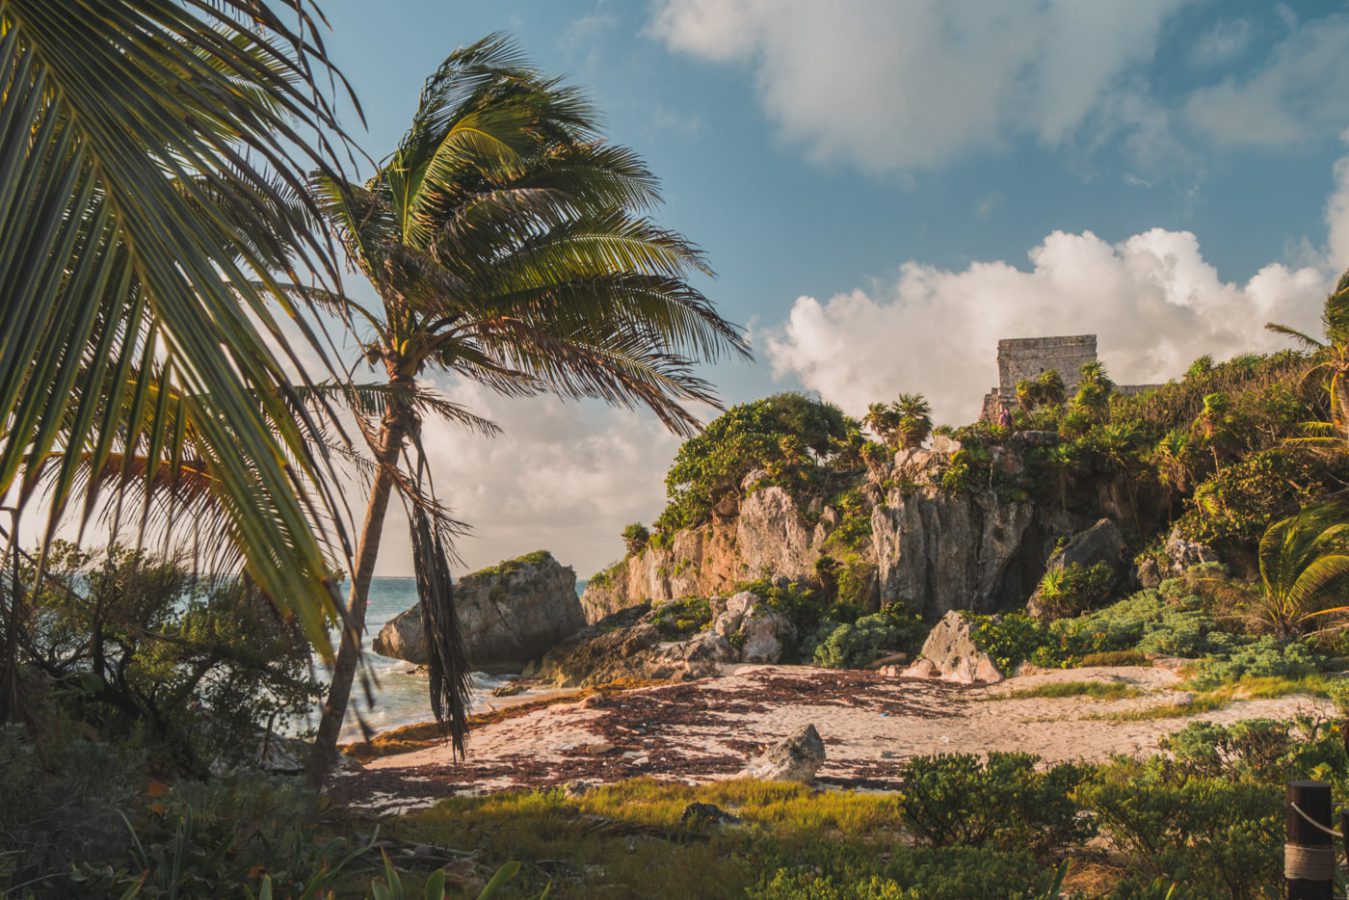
(1021, 359)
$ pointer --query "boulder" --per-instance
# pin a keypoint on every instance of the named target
(508, 614)
(763, 633)
(627, 646)
(797, 758)
(1101, 543)
(949, 653)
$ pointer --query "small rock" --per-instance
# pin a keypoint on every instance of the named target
(631, 754)
(701, 815)
(599, 748)
(797, 758)
(595, 701)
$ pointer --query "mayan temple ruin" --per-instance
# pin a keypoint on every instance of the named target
(1020, 359)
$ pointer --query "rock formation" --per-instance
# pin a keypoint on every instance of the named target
(509, 614)
(1101, 543)
(949, 653)
(797, 758)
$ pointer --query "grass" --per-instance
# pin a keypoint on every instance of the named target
(1101, 690)
(1115, 658)
(1199, 703)
(625, 840)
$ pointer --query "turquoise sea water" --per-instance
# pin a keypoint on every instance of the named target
(400, 692)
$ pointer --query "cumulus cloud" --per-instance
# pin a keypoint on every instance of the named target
(1154, 301)
(897, 85)
(904, 85)
(1295, 94)
(562, 476)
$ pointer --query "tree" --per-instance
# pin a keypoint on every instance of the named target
(635, 538)
(882, 419)
(154, 159)
(914, 420)
(508, 244)
(1094, 389)
(1304, 559)
(1215, 425)
(1332, 354)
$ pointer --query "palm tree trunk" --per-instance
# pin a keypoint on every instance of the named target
(393, 430)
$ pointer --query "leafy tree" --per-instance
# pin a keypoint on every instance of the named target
(1216, 426)
(883, 420)
(635, 538)
(507, 244)
(1045, 391)
(155, 207)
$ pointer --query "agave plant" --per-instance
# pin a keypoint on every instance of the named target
(508, 244)
(154, 158)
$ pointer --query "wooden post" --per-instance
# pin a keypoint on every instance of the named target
(1309, 854)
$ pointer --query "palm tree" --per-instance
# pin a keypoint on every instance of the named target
(153, 158)
(1094, 388)
(1332, 353)
(914, 425)
(882, 419)
(507, 244)
(1303, 559)
(1214, 425)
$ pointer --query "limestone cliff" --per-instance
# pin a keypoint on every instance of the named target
(933, 548)
(509, 614)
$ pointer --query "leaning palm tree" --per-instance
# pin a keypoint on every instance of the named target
(153, 158)
(1304, 561)
(508, 245)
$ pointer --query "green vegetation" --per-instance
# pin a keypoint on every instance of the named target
(902, 425)
(855, 644)
(1074, 589)
(680, 619)
(1101, 690)
(635, 538)
(510, 566)
(792, 438)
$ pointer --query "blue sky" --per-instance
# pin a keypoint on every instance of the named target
(887, 187)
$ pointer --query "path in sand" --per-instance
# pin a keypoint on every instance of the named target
(702, 730)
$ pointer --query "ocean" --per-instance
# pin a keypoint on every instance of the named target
(400, 692)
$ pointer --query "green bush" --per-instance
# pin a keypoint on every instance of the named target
(851, 646)
(789, 436)
(1263, 750)
(1196, 830)
(680, 619)
(635, 538)
(1004, 803)
(60, 806)
(907, 873)
(1266, 656)
(1074, 589)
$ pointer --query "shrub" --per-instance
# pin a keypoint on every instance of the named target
(1074, 588)
(1266, 656)
(59, 805)
(790, 436)
(1262, 750)
(679, 619)
(1006, 803)
(850, 646)
(907, 873)
(635, 538)
(1191, 829)
(1012, 639)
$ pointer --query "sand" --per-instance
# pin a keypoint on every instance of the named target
(704, 730)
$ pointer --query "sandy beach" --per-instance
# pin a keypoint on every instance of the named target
(707, 729)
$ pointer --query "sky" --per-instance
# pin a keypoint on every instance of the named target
(887, 187)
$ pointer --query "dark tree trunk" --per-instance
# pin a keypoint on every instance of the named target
(324, 754)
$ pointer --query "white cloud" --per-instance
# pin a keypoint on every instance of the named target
(565, 477)
(889, 85)
(1225, 41)
(1296, 94)
(1153, 301)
